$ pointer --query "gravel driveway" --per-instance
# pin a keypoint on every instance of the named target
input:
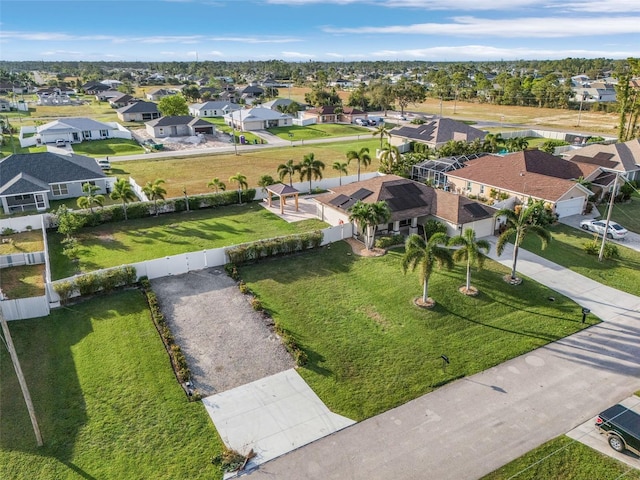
(226, 342)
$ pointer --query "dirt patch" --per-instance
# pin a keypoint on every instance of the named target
(374, 315)
(226, 342)
(359, 249)
(106, 237)
(178, 144)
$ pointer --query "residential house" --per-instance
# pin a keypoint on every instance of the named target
(411, 203)
(140, 111)
(71, 130)
(212, 109)
(530, 174)
(106, 95)
(334, 114)
(159, 93)
(257, 119)
(252, 92)
(281, 103)
(616, 158)
(179, 126)
(436, 132)
(122, 101)
(5, 105)
(29, 181)
(93, 88)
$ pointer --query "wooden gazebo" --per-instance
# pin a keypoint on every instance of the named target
(282, 191)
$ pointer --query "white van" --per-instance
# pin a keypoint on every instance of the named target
(104, 164)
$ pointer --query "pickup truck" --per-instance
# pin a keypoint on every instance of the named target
(622, 427)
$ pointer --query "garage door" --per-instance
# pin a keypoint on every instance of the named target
(573, 206)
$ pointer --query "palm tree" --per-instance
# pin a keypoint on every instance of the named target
(361, 156)
(241, 180)
(516, 144)
(492, 142)
(426, 254)
(155, 191)
(123, 191)
(518, 226)
(217, 185)
(472, 251)
(264, 181)
(341, 168)
(288, 168)
(310, 168)
(389, 157)
(90, 199)
(368, 216)
(382, 131)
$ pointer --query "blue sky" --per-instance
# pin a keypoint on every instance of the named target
(320, 30)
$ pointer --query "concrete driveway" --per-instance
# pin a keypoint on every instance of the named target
(631, 240)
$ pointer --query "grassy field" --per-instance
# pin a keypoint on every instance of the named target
(132, 241)
(370, 348)
(566, 249)
(23, 242)
(566, 459)
(111, 147)
(106, 399)
(323, 130)
(22, 282)
(193, 173)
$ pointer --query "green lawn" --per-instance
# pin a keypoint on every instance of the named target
(371, 349)
(321, 130)
(23, 242)
(626, 214)
(22, 282)
(132, 241)
(10, 146)
(106, 399)
(566, 459)
(110, 147)
(566, 250)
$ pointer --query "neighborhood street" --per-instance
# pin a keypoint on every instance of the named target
(470, 427)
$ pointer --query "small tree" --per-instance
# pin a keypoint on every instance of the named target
(155, 191)
(123, 191)
(217, 185)
(362, 157)
(264, 181)
(91, 197)
(389, 158)
(368, 216)
(241, 180)
(173, 105)
(382, 131)
(289, 168)
(341, 168)
(68, 222)
(472, 251)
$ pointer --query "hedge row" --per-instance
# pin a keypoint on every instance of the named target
(115, 213)
(95, 282)
(251, 252)
(178, 360)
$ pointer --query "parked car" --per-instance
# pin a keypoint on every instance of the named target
(61, 143)
(372, 122)
(622, 427)
(105, 164)
(615, 230)
(362, 122)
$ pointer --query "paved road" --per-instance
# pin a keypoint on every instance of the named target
(469, 428)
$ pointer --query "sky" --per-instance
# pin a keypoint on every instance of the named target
(318, 30)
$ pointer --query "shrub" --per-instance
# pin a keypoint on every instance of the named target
(244, 288)
(87, 284)
(64, 290)
(7, 231)
(387, 241)
(256, 304)
(592, 247)
(232, 271)
(254, 251)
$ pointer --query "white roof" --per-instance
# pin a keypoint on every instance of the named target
(258, 114)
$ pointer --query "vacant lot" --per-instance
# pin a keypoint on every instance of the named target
(107, 401)
(370, 348)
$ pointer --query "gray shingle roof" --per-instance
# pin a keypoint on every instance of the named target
(178, 120)
(74, 123)
(24, 172)
(140, 107)
(439, 131)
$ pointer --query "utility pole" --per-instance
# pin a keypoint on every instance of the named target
(21, 380)
(606, 225)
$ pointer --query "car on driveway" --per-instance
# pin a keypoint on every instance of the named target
(615, 230)
(622, 428)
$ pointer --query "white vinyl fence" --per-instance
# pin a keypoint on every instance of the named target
(22, 308)
(21, 224)
(19, 259)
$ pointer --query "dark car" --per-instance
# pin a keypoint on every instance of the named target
(622, 427)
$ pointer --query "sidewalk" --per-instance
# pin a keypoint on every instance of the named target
(470, 427)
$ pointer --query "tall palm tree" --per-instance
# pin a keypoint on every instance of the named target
(472, 251)
(217, 185)
(426, 255)
(492, 142)
(389, 157)
(310, 169)
(368, 216)
(518, 225)
(382, 131)
(123, 191)
(155, 191)
(362, 157)
(288, 168)
(241, 180)
(341, 168)
(91, 197)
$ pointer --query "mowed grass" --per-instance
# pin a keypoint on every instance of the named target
(137, 240)
(23, 242)
(110, 147)
(106, 399)
(322, 130)
(194, 172)
(566, 249)
(566, 459)
(22, 282)
(626, 214)
(370, 348)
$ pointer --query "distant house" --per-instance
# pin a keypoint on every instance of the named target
(531, 174)
(5, 105)
(178, 126)
(93, 88)
(436, 132)
(140, 111)
(212, 109)
(122, 101)
(252, 91)
(279, 103)
(621, 158)
(30, 181)
(160, 93)
(257, 119)
(334, 114)
(71, 130)
(410, 203)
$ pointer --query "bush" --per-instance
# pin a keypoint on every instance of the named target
(387, 241)
(592, 247)
(254, 251)
(7, 231)
(256, 304)
(232, 271)
(95, 282)
(244, 288)
(64, 290)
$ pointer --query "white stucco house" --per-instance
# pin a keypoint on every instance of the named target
(213, 108)
(257, 119)
(71, 130)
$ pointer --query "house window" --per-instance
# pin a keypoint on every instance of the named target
(58, 189)
(86, 134)
(104, 133)
(468, 186)
(481, 189)
(161, 131)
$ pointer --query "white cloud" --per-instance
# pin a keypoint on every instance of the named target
(538, 27)
(254, 40)
(297, 55)
(66, 53)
